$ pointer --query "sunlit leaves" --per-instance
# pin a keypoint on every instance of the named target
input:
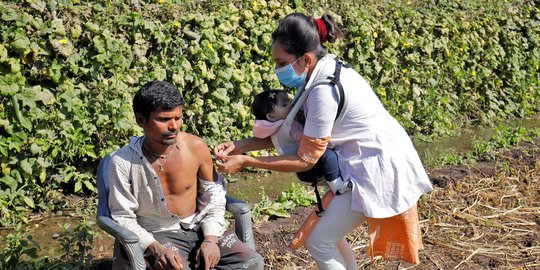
(20, 41)
(3, 53)
(463, 48)
(67, 79)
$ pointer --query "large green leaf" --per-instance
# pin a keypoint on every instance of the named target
(9, 14)
(26, 166)
(20, 42)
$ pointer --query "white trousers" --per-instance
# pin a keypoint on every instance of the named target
(326, 243)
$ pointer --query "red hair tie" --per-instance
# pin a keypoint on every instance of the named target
(321, 28)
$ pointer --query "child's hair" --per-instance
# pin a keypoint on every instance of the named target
(264, 102)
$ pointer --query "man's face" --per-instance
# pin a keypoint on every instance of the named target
(162, 126)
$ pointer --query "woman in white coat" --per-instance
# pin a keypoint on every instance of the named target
(374, 150)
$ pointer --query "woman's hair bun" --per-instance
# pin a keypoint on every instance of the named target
(332, 30)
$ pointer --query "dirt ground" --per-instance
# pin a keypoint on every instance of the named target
(484, 215)
(481, 215)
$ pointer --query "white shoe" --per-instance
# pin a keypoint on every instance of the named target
(339, 186)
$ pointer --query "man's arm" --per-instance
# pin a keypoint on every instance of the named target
(211, 196)
(122, 203)
(211, 193)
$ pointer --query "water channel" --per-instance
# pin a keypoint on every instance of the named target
(250, 186)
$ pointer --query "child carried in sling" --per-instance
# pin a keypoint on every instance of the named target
(271, 108)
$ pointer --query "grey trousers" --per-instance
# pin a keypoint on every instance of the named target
(235, 254)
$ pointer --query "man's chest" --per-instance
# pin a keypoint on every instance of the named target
(178, 177)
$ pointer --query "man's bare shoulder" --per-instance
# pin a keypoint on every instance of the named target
(192, 142)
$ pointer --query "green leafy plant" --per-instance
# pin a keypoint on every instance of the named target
(503, 137)
(77, 243)
(298, 195)
(16, 247)
(68, 71)
(451, 158)
(266, 208)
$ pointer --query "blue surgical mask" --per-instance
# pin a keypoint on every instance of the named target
(287, 76)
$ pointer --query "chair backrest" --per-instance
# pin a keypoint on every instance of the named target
(102, 178)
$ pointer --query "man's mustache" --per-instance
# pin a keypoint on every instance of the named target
(167, 134)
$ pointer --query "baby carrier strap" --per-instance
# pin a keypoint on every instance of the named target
(281, 138)
(333, 80)
(336, 81)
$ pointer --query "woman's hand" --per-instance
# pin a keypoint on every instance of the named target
(223, 150)
(232, 164)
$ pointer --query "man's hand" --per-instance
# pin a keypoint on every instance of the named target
(164, 258)
(208, 253)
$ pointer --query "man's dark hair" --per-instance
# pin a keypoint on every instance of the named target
(154, 95)
(264, 102)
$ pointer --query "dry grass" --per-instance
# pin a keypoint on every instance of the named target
(486, 216)
(484, 223)
(490, 219)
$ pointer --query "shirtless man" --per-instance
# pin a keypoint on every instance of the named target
(163, 187)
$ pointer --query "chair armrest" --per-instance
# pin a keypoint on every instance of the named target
(242, 218)
(115, 230)
(236, 206)
(127, 239)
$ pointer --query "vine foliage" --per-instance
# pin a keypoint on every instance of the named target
(68, 71)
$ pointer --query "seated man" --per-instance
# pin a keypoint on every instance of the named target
(163, 187)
